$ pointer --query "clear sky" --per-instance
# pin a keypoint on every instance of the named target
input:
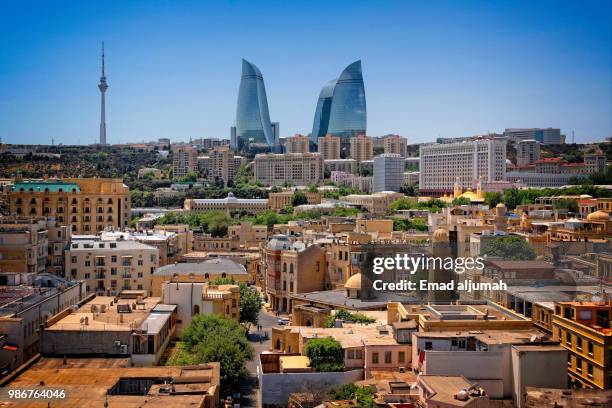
(431, 68)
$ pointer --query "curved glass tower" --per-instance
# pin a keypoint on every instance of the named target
(341, 108)
(252, 116)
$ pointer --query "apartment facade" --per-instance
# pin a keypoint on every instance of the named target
(24, 245)
(230, 205)
(349, 166)
(442, 163)
(361, 148)
(184, 161)
(86, 205)
(220, 165)
(297, 144)
(527, 152)
(289, 168)
(329, 147)
(280, 200)
(388, 172)
(583, 329)
(395, 144)
(109, 267)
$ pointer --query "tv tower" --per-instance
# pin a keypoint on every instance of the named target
(103, 86)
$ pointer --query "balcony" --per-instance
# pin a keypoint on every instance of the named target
(126, 275)
(100, 275)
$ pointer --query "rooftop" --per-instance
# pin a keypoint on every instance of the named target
(105, 313)
(92, 381)
(215, 266)
(46, 186)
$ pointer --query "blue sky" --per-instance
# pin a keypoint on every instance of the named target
(431, 68)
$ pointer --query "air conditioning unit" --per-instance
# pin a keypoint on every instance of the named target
(124, 349)
(117, 343)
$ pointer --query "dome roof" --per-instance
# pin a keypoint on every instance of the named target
(354, 282)
(440, 235)
(500, 205)
(598, 216)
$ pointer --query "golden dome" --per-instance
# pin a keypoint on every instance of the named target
(354, 282)
(500, 205)
(598, 216)
(439, 236)
(472, 196)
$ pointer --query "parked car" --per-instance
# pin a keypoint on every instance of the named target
(283, 321)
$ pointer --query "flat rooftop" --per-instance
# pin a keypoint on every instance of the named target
(105, 313)
(485, 311)
(351, 335)
(90, 382)
(488, 336)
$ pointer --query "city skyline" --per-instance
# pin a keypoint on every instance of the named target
(468, 70)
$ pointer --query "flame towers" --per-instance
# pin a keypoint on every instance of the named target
(253, 126)
(341, 108)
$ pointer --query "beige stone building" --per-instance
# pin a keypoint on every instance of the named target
(193, 272)
(377, 203)
(86, 205)
(297, 144)
(349, 166)
(395, 144)
(194, 298)
(220, 165)
(280, 200)
(230, 205)
(249, 235)
(329, 147)
(361, 148)
(24, 245)
(291, 268)
(184, 160)
(290, 168)
(109, 267)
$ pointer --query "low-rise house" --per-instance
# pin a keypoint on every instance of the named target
(131, 324)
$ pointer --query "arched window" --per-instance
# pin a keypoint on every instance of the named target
(206, 276)
(284, 267)
(196, 310)
(290, 268)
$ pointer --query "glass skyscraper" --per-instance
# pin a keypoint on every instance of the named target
(341, 108)
(253, 124)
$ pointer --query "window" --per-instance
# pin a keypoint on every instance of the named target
(374, 358)
(579, 342)
(359, 354)
(401, 357)
(114, 258)
(113, 271)
(590, 370)
(387, 357)
(350, 354)
(73, 259)
(87, 275)
(568, 338)
(590, 347)
(578, 364)
(140, 263)
(428, 345)
(87, 263)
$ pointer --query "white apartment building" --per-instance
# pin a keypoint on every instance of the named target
(388, 172)
(289, 168)
(108, 267)
(441, 164)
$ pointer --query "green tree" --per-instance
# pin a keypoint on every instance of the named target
(325, 354)
(567, 204)
(214, 338)
(348, 317)
(509, 248)
(512, 198)
(461, 201)
(250, 301)
(299, 198)
(492, 198)
(363, 397)
(344, 392)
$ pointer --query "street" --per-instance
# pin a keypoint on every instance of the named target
(250, 391)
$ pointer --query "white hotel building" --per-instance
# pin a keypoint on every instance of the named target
(441, 164)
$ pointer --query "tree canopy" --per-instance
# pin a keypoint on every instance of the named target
(211, 338)
(509, 248)
(325, 354)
